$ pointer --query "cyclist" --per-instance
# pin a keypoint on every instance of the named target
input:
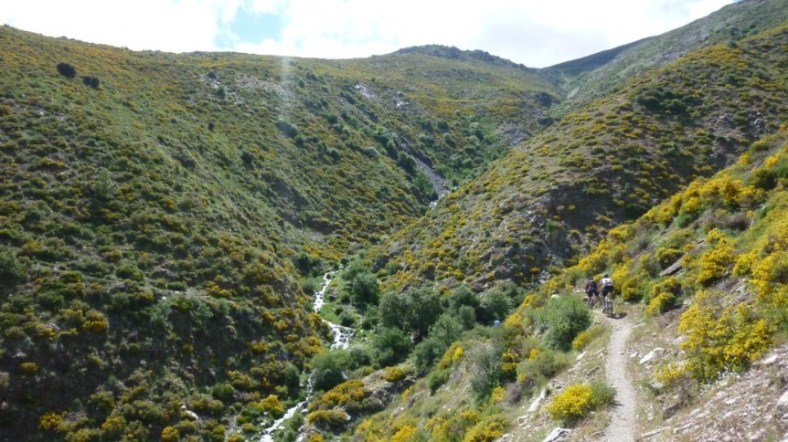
(591, 290)
(607, 285)
(607, 294)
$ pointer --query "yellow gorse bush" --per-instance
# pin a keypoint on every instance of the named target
(722, 338)
(572, 404)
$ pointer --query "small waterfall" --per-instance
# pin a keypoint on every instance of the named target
(342, 336)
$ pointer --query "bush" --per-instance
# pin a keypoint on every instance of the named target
(585, 337)
(412, 311)
(271, 405)
(660, 304)
(394, 374)
(327, 419)
(565, 317)
(437, 378)
(572, 404)
(486, 366)
(289, 130)
(542, 365)
(601, 394)
(715, 262)
(495, 305)
(329, 368)
(722, 338)
(391, 345)
(667, 256)
(488, 430)
(11, 270)
(364, 289)
(467, 317)
(92, 82)
(66, 70)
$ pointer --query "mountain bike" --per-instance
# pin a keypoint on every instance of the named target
(607, 305)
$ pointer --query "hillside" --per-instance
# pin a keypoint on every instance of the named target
(702, 285)
(611, 161)
(152, 208)
(594, 76)
(165, 220)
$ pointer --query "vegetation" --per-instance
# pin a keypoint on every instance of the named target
(164, 219)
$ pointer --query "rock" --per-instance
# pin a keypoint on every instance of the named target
(652, 433)
(634, 355)
(535, 404)
(768, 361)
(557, 434)
(679, 340)
(672, 269)
(671, 409)
(782, 403)
(651, 355)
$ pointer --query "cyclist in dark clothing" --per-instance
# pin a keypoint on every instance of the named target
(591, 290)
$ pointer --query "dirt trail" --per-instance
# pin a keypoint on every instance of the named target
(622, 427)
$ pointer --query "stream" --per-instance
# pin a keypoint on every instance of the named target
(341, 340)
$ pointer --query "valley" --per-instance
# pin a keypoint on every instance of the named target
(227, 247)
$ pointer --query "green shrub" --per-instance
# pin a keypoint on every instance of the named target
(564, 318)
(437, 378)
(486, 368)
(329, 368)
(11, 270)
(391, 345)
(66, 70)
(364, 289)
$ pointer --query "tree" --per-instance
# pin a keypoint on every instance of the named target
(329, 368)
(364, 289)
(495, 306)
(391, 345)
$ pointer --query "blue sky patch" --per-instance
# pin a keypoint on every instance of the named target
(250, 27)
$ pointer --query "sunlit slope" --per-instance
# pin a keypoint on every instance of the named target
(608, 162)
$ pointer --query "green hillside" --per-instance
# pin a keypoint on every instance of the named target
(680, 260)
(612, 160)
(165, 219)
(597, 75)
(151, 205)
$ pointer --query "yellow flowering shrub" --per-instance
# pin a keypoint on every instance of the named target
(50, 421)
(715, 262)
(669, 375)
(272, 405)
(487, 430)
(394, 374)
(497, 395)
(407, 433)
(452, 354)
(721, 338)
(327, 418)
(585, 337)
(572, 404)
(170, 434)
(660, 304)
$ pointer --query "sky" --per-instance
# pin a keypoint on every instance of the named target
(536, 33)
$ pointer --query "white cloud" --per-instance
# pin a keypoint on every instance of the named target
(533, 32)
